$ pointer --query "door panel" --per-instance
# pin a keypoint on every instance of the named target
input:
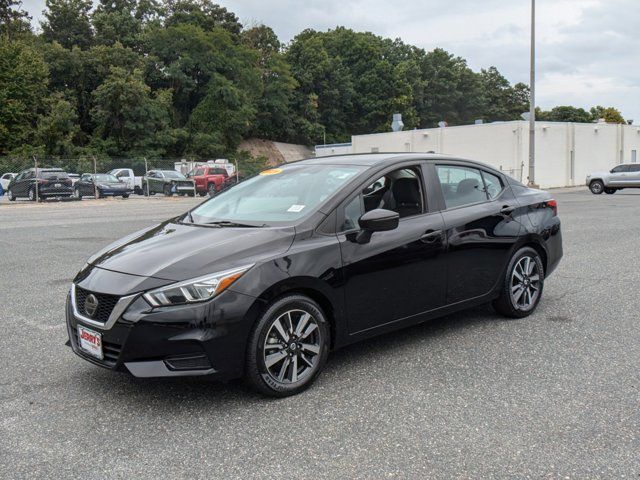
(398, 274)
(480, 239)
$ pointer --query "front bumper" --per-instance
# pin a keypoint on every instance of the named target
(201, 339)
(108, 192)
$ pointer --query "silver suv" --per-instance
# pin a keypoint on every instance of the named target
(626, 175)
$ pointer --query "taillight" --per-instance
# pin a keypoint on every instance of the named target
(553, 204)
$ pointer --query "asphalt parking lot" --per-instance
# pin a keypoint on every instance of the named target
(556, 395)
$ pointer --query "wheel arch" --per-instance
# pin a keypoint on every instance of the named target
(310, 287)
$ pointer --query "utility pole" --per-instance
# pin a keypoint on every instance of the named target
(532, 100)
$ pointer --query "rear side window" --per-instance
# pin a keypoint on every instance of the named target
(493, 184)
(461, 185)
(620, 169)
(634, 168)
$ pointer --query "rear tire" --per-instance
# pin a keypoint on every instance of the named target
(522, 285)
(288, 347)
(610, 191)
(596, 187)
(126, 195)
(211, 190)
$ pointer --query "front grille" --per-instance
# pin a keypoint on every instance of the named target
(110, 350)
(106, 304)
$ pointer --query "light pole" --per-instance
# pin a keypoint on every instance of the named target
(532, 100)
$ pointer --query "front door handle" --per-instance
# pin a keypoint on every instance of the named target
(431, 236)
(507, 210)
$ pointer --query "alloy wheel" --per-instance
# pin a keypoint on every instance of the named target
(292, 346)
(525, 283)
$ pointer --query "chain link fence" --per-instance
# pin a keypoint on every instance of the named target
(21, 178)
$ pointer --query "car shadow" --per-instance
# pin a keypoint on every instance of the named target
(175, 393)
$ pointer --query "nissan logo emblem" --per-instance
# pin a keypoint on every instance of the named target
(91, 305)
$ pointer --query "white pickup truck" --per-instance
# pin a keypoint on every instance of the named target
(126, 175)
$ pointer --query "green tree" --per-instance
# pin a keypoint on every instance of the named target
(185, 58)
(23, 88)
(129, 119)
(202, 13)
(13, 20)
(609, 114)
(67, 22)
(124, 21)
(274, 111)
(58, 127)
(223, 116)
(502, 101)
(564, 113)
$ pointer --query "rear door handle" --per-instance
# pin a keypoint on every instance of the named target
(431, 236)
(507, 210)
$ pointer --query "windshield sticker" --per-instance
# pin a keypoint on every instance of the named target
(272, 171)
(295, 208)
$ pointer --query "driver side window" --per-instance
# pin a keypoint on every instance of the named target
(399, 191)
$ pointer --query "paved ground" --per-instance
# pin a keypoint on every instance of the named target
(556, 395)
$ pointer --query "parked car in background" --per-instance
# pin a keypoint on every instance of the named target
(209, 179)
(313, 255)
(6, 179)
(102, 184)
(74, 177)
(1, 191)
(167, 182)
(626, 175)
(126, 175)
(50, 182)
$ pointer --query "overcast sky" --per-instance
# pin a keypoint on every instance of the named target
(588, 51)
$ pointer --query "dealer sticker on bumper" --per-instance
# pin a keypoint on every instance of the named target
(90, 342)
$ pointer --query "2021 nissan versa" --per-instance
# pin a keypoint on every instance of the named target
(266, 278)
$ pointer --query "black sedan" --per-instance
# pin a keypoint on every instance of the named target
(100, 185)
(264, 279)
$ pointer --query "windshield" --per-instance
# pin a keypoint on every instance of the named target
(276, 195)
(173, 174)
(106, 178)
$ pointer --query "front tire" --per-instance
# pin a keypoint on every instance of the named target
(211, 190)
(11, 196)
(126, 195)
(76, 194)
(288, 347)
(522, 285)
(32, 194)
(596, 187)
(168, 191)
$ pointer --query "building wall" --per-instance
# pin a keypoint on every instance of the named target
(506, 146)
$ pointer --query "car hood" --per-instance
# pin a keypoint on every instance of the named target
(176, 251)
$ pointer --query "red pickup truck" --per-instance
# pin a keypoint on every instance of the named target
(209, 179)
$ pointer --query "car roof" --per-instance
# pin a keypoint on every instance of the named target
(381, 159)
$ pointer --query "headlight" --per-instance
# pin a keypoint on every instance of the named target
(194, 290)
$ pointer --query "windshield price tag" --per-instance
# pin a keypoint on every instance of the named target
(295, 208)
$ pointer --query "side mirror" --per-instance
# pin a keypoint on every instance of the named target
(378, 220)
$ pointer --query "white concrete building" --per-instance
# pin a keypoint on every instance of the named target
(565, 152)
